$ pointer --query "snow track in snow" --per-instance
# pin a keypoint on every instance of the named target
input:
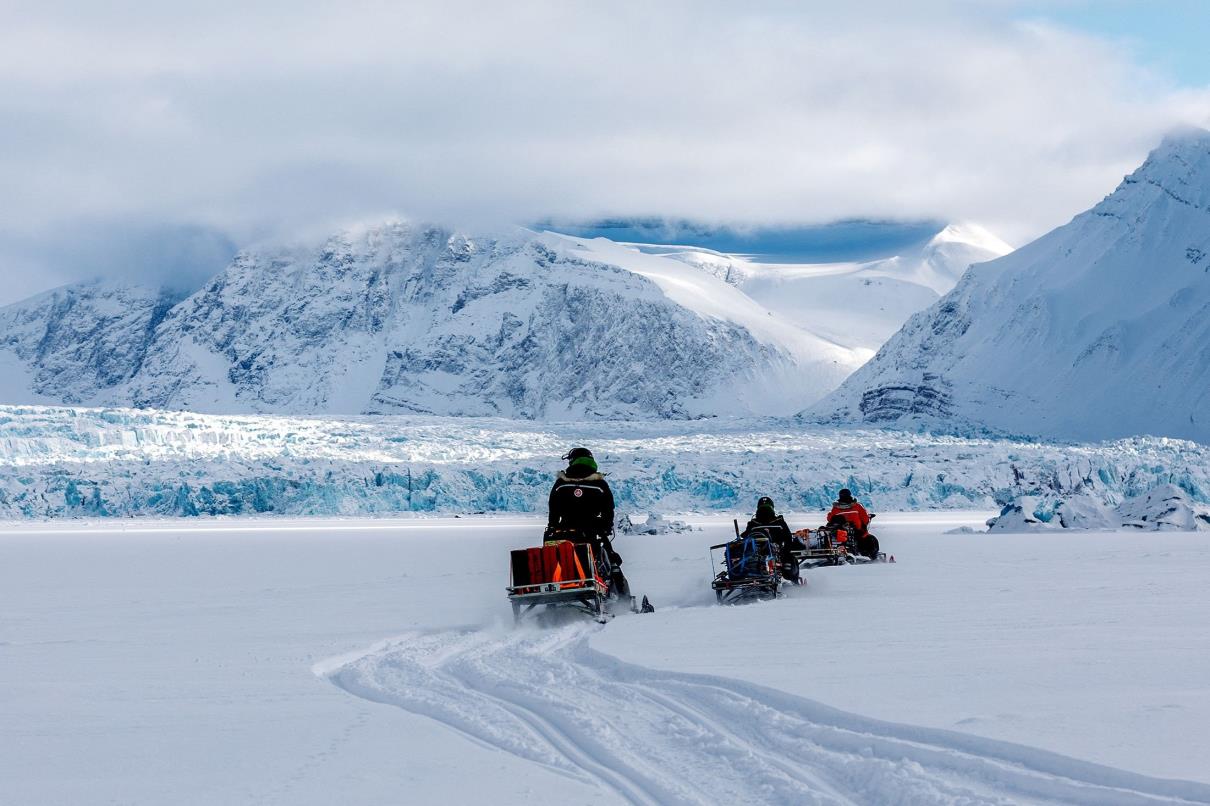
(654, 737)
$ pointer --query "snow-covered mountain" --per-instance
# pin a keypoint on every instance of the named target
(1099, 329)
(418, 319)
(858, 304)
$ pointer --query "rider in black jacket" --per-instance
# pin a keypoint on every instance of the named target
(581, 509)
(767, 519)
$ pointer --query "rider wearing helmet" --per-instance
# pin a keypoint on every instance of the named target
(767, 520)
(581, 510)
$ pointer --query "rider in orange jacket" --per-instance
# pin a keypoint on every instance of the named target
(846, 507)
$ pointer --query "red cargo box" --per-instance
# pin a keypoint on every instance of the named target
(562, 562)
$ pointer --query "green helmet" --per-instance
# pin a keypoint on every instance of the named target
(580, 457)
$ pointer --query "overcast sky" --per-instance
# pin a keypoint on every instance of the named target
(147, 139)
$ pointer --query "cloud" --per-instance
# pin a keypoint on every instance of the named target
(178, 258)
(290, 116)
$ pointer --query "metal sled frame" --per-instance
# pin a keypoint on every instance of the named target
(818, 557)
(587, 595)
(733, 591)
(833, 554)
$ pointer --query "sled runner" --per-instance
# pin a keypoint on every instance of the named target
(566, 575)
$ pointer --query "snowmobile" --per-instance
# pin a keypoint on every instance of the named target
(837, 543)
(568, 575)
(751, 568)
(821, 548)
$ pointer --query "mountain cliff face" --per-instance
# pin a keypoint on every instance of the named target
(65, 345)
(1098, 329)
(403, 319)
(416, 319)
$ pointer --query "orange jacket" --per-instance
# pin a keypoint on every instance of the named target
(854, 513)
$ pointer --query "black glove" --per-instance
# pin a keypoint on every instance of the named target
(615, 558)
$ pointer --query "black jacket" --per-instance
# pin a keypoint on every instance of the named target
(778, 530)
(581, 499)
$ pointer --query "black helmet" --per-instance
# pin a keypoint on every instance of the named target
(577, 453)
(764, 501)
(845, 496)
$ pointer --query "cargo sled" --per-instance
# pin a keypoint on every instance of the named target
(746, 568)
(837, 544)
(566, 575)
(821, 548)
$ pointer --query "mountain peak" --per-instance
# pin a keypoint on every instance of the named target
(972, 234)
(1178, 170)
(1183, 152)
(1183, 137)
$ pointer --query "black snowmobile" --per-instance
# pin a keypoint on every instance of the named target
(750, 567)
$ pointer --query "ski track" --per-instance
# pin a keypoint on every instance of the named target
(656, 737)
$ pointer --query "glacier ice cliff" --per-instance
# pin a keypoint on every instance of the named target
(85, 462)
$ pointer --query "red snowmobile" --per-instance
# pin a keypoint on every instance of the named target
(566, 574)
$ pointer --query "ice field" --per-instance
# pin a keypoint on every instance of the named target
(321, 661)
(65, 462)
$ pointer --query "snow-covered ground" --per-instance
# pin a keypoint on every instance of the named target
(326, 661)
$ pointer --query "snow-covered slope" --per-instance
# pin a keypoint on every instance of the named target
(856, 304)
(422, 319)
(1097, 330)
